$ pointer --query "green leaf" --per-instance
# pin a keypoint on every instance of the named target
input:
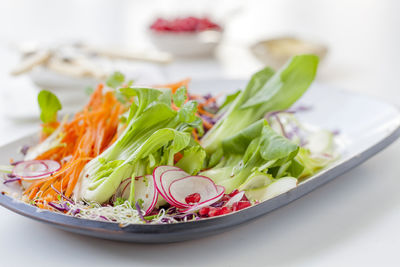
(287, 85)
(275, 147)
(49, 105)
(115, 80)
(238, 143)
(188, 112)
(180, 96)
(230, 98)
(267, 91)
(192, 160)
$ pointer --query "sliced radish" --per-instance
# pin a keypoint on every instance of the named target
(35, 169)
(174, 185)
(183, 187)
(234, 199)
(157, 178)
(220, 193)
(167, 178)
(146, 191)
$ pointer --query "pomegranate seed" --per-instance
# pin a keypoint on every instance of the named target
(234, 192)
(204, 211)
(225, 198)
(241, 205)
(188, 24)
(193, 198)
(214, 212)
(225, 210)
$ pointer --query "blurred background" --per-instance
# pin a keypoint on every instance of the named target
(66, 46)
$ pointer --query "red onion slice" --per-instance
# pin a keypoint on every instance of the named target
(35, 169)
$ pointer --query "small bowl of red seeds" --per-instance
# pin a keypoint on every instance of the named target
(186, 37)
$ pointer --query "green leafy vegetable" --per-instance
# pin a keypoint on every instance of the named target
(188, 112)
(264, 151)
(229, 99)
(153, 135)
(267, 91)
(49, 106)
(180, 96)
(115, 80)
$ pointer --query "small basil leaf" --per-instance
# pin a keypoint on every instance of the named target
(49, 105)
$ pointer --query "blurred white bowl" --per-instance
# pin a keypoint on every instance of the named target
(275, 52)
(187, 44)
(70, 90)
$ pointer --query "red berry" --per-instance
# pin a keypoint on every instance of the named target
(204, 211)
(193, 198)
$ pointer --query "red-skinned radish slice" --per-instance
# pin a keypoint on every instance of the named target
(35, 169)
(183, 187)
(220, 193)
(175, 185)
(157, 172)
(146, 191)
(163, 176)
(234, 199)
(167, 178)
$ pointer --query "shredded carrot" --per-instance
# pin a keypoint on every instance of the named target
(203, 112)
(89, 133)
(175, 86)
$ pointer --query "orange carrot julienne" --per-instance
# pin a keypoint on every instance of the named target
(89, 133)
(175, 86)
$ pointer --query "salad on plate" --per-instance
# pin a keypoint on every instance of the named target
(165, 154)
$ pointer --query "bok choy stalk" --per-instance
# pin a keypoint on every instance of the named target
(256, 149)
(154, 134)
(267, 91)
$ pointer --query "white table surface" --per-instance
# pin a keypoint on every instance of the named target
(352, 221)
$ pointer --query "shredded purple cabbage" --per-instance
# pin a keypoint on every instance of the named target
(24, 150)
(104, 218)
(62, 195)
(139, 209)
(63, 207)
(218, 204)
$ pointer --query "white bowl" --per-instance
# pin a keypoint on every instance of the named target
(186, 44)
(70, 90)
(275, 52)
